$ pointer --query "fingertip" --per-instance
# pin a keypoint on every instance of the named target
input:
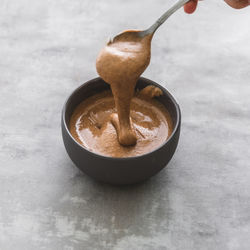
(190, 7)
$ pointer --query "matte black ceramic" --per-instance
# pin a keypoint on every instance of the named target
(119, 170)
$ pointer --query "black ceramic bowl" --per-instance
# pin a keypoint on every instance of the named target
(119, 170)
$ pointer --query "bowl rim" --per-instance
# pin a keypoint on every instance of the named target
(165, 91)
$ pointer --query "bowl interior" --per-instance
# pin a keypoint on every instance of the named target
(97, 85)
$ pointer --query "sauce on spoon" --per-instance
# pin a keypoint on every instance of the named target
(120, 63)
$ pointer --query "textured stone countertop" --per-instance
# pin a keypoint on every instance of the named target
(201, 201)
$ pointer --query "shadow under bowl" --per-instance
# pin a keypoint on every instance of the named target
(119, 171)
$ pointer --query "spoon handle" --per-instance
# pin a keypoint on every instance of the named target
(164, 17)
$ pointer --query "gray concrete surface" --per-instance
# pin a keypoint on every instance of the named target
(201, 201)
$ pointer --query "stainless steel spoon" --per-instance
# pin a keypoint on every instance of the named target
(156, 25)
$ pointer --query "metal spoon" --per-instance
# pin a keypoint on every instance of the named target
(156, 25)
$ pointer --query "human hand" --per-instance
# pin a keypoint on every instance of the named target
(190, 7)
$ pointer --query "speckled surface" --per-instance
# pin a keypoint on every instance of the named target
(200, 202)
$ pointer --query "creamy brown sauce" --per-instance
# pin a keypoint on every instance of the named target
(122, 124)
(91, 125)
(120, 63)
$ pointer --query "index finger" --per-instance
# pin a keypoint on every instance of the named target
(190, 6)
